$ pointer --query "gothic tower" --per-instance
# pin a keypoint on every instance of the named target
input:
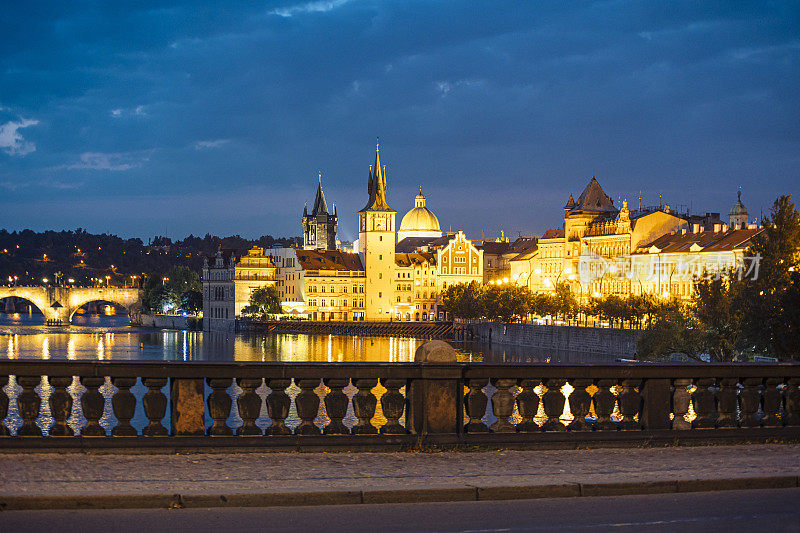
(319, 227)
(376, 241)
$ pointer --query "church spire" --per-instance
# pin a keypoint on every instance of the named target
(320, 206)
(377, 185)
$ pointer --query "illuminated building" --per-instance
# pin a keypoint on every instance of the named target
(252, 271)
(376, 241)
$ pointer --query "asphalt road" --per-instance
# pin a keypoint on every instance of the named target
(776, 510)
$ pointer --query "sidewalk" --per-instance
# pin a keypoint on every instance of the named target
(35, 481)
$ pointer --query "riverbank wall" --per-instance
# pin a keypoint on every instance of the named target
(420, 330)
(607, 341)
(169, 322)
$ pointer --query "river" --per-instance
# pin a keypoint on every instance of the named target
(102, 337)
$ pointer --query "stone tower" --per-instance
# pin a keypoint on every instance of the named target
(376, 242)
(738, 214)
(320, 227)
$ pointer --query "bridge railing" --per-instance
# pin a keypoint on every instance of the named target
(49, 404)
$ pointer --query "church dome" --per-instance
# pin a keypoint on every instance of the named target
(420, 221)
(420, 218)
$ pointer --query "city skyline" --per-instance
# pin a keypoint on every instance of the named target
(185, 119)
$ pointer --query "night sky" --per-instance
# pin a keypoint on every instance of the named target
(191, 117)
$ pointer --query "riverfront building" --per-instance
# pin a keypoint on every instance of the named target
(252, 271)
(602, 250)
(219, 307)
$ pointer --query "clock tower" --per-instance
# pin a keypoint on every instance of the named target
(376, 242)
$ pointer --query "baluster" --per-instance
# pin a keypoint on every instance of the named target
(124, 404)
(249, 403)
(60, 406)
(554, 401)
(528, 406)
(792, 396)
(503, 405)
(728, 403)
(29, 405)
(604, 401)
(771, 401)
(579, 403)
(3, 406)
(393, 404)
(751, 400)
(92, 404)
(680, 404)
(475, 403)
(336, 406)
(307, 403)
(630, 404)
(155, 407)
(364, 404)
(703, 404)
(278, 403)
(219, 406)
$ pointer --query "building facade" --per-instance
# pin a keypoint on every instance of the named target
(219, 307)
(252, 271)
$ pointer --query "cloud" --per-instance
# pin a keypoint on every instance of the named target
(311, 7)
(115, 162)
(11, 141)
(138, 111)
(202, 145)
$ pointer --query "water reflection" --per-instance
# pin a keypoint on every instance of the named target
(110, 338)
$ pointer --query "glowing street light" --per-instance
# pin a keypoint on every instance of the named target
(44, 280)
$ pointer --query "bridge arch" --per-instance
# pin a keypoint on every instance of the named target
(129, 299)
(37, 296)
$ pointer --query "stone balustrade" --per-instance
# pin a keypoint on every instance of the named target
(106, 404)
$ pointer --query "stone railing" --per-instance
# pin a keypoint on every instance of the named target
(357, 405)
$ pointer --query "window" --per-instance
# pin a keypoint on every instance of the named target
(380, 295)
(380, 256)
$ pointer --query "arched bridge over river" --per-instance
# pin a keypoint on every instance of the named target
(58, 304)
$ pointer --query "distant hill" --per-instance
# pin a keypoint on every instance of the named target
(81, 256)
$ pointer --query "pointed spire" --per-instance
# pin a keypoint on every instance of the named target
(305, 209)
(320, 207)
(377, 185)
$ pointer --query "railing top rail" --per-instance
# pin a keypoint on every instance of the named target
(192, 369)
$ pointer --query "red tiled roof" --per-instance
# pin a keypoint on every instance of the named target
(328, 260)
(553, 234)
(405, 260)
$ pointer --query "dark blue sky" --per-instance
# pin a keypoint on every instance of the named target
(216, 116)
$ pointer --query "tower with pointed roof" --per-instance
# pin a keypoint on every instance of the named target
(320, 226)
(376, 242)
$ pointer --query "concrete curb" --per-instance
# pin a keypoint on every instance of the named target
(441, 494)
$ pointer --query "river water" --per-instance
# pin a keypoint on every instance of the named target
(101, 337)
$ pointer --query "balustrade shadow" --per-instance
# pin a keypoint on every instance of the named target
(155, 404)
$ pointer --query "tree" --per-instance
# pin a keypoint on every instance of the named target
(768, 298)
(565, 302)
(506, 303)
(672, 332)
(464, 300)
(263, 301)
(192, 301)
(718, 314)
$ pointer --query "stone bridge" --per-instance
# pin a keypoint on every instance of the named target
(58, 304)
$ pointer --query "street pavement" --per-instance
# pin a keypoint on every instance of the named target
(773, 510)
(53, 474)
